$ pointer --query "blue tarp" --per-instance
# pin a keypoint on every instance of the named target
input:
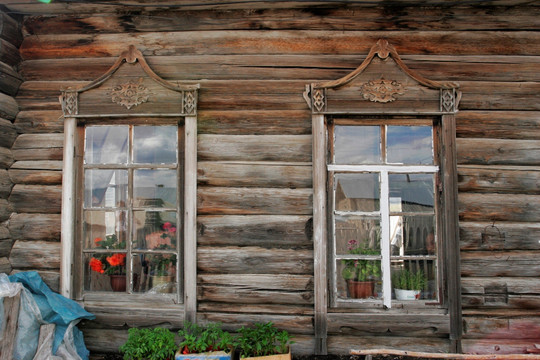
(53, 308)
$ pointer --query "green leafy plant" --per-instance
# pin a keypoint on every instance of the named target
(360, 269)
(151, 344)
(262, 340)
(408, 280)
(198, 339)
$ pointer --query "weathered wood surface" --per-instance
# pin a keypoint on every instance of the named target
(9, 53)
(9, 326)
(46, 121)
(6, 158)
(255, 230)
(248, 174)
(45, 342)
(498, 346)
(499, 236)
(10, 80)
(521, 125)
(5, 265)
(5, 209)
(500, 285)
(8, 107)
(498, 152)
(499, 207)
(293, 324)
(440, 356)
(396, 324)
(326, 16)
(500, 179)
(279, 42)
(5, 247)
(35, 177)
(524, 328)
(5, 184)
(282, 309)
(10, 29)
(500, 263)
(29, 226)
(253, 260)
(8, 133)
(44, 199)
(338, 344)
(49, 277)
(40, 255)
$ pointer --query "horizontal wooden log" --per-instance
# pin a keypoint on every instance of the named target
(5, 247)
(522, 125)
(103, 340)
(290, 67)
(343, 344)
(10, 29)
(283, 282)
(28, 226)
(8, 133)
(286, 309)
(5, 209)
(499, 207)
(4, 232)
(38, 147)
(498, 152)
(285, 148)
(509, 285)
(253, 201)
(5, 265)
(498, 95)
(503, 303)
(249, 174)
(253, 260)
(395, 324)
(46, 121)
(255, 230)
(6, 158)
(9, 53)
(278, 42)
(35, 255)
(500, 263)
(315, 18)
(500, 179)
(43, 199)
(499, 236)
(5, 184)
(37, 165)
(232, 322)
(10, 80)
(8, 107)
(498, 346)
(35, 177)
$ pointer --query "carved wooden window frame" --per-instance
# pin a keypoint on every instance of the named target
(371, 91)
(122, 97)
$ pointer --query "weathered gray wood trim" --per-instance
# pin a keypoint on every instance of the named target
(68, 207)
(190, 219)
(319, 232)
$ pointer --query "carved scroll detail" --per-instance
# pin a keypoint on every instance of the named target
(130, 94)
(448, 100)
(190, 102)
(69, 101)
(382, 90)
(319, 100)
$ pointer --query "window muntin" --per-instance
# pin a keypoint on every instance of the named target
(383, 208)
(131, 209)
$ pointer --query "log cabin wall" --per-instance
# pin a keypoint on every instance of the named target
(255, 253)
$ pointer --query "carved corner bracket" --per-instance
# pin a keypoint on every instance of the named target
(69, 101)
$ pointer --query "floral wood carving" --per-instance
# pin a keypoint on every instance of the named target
(382, 90)
(130, 94)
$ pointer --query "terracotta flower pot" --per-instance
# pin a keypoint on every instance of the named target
(360, 289)
(118, 282)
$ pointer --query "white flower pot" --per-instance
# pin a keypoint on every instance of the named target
(407, 294)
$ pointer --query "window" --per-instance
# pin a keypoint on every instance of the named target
(131, 209)
(383, 206)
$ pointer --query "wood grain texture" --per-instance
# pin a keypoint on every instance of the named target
(499, 235)
(41, 199)
(30, 255)
(30, 226)
(499, 207)
(500, 263)
(500, 179)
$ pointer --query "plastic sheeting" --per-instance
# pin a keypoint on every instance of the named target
(40, 305)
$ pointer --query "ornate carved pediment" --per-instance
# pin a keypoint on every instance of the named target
(382, 84)
(130, 88)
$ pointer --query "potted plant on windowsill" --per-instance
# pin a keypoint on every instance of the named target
(263, 341)
(112, 264)
(360, 274)
(408, 285)
(204, 343)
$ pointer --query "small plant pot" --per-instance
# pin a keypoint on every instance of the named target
(211, 355)
(360, 289)
(407, 294)
(286, 356)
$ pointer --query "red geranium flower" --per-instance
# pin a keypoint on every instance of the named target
(96, 265)
(117, 259)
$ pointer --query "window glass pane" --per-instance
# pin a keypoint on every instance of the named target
(356, 235)
(155, 144)
(106, 145)
(105, 272)
(154, 188)
(411, 192)
(412, 235)
(105, 188)
(359, 279)
(154, 230)
(414, 279)
(409, 144)
(357, 192)
(357, 145)
(154, 273)
(103, 229)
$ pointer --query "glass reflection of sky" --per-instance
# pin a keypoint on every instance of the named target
(412, 189)
(155, 184)
(409, 145)
(155, 144)
(106, 145)
(357, 145)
